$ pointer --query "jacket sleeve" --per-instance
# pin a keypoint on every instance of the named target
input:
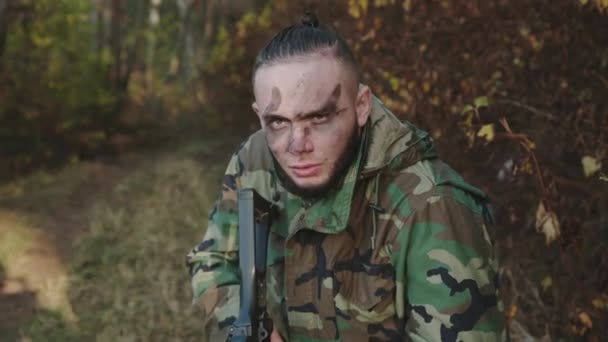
(447, 274)
(213, 264)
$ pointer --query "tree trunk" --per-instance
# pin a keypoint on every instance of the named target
(3, 25)
(125, 54)
(115, 41)
(210, 16)
(186, 55)
(98, 20)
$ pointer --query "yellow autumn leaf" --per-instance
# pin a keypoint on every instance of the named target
(546, 283)
(585, 319)
(512, 311)
(357, 8)
(547, 223)
(407, 5)
(482, 101)
(530, 144)
(426, 86)
(353, 9)
(435, 101)
(467, 108)
(394, 82)
(590, 165)
(381, 3)
(363, 4)
(584, 2)
(526, 167)
(598, 303)
(487, 132)
(601, 303)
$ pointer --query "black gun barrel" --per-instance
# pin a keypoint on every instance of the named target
(252, 324)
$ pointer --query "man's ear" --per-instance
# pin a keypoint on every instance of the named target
(256, 109)
(363, 105)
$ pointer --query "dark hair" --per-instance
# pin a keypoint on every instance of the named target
(303, 39)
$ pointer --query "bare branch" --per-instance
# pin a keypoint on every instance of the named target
(531, 109)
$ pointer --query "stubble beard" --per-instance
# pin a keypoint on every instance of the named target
(343, 164)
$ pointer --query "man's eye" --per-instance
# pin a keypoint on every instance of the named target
(277, 124)
(321, 118)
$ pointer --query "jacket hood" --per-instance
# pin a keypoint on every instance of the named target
(395, 144)
(392, 143)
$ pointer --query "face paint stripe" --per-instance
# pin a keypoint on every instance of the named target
(275, 101)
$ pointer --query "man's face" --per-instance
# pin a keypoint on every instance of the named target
(311, 110)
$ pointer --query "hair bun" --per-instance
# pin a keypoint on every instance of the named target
(309, 19)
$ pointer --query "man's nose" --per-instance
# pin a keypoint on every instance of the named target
(300, 141)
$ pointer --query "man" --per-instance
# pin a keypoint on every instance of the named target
(376, 238)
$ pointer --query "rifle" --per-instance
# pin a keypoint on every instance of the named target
(253, 323)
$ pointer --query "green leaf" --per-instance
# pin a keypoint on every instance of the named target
(590, 165)
(394, 82)
(482, 101)
(486, 131)
(466, 109)
(546, 283)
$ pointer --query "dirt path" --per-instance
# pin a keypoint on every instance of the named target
(40, 219)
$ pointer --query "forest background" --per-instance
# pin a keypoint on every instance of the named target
(117, 118)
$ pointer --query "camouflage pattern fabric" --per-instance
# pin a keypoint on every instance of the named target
(400, 251)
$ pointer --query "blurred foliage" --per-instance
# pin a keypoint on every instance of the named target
(52, 88)
(84, 78)
(512, 91)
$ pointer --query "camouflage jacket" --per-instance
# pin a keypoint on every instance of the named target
(400, 251)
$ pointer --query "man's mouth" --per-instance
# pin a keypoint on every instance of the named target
(305, 170)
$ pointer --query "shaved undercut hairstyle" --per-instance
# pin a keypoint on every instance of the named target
(302, 39)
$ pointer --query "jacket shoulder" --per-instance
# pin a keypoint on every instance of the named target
(431, 180)
(255, 165)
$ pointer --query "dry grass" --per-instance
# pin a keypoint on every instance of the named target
(127, 278)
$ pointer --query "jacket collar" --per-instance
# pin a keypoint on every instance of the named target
(328, 214)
